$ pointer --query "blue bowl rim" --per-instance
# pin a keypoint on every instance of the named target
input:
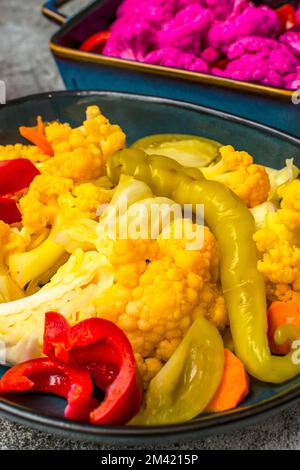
(73, 54)
(156, 99)
(205, 424)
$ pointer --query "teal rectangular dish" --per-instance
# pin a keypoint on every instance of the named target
(82, 70)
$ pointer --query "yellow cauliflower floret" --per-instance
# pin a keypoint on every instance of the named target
(11, 240)
(81, 153)
(148, 367)
(278, 245)
(80, 164)
(290, 204)
(281, 260)
(57, 134)
(39, 206)
(159, 288)
(283, 292)
(49, 195)
(58, 216)
(84, 200)
(237, 171)
(30, 152)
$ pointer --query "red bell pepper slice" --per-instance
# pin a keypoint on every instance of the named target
(96, 42)
(16, 175)
(36, 135)
(59, 340)
(221, 63)
(51, 376)
(287, 16)
(9, 212)
(58, 334)
(104, 350)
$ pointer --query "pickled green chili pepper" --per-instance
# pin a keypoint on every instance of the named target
(189, 150)
(233, 226)
(188, 381)
(287, 332)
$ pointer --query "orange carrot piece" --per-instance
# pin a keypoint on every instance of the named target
(40, 126)
(234, 386)
(33, 135)
(281, 313)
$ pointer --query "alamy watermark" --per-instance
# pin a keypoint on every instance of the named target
(296, 94)
(295, 347)
(148, 220)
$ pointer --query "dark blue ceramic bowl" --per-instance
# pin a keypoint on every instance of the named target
(139, 116)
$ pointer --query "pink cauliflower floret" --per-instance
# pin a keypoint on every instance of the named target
(218, 8)
(154, 12)
(185, 31)
(181, 4)
(280, 56)
(292, 80)
(250, 68)
(292, 40)
(223, 9)
(126, 6)
(251, 44)
(132, 41)
(258, 21)
(172, 57)
(260, 60)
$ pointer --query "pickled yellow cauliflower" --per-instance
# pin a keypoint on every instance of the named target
(290, 204)
(50, 195)
(53, 204)
(81, 153)
(278, 244)
(30, 152)
(160, 288)
(236, 170)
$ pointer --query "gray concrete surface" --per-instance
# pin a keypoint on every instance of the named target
(27, 67)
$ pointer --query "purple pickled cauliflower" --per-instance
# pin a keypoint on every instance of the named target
(185, 31)
(292, 80)
(133, 42)
(133, 34)
(218, 8)
(292, 40)
(153, 12)
(181, 4)
(258, 21)
(260, 60)
(172, 57)
(223, 9)
(194, 34)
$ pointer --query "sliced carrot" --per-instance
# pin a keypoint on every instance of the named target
(281, 313)
(234, 386)
(40, 125)
(34, 136)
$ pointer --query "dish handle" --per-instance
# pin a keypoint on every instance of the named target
(50, 10)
